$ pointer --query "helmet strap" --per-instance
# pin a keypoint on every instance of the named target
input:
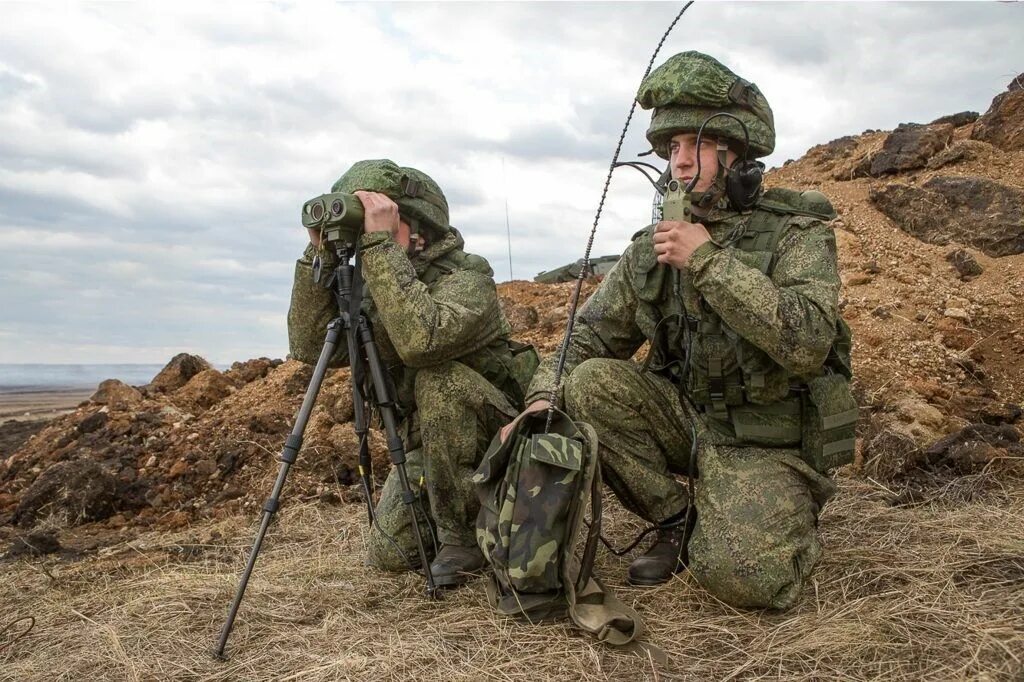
(704, 201)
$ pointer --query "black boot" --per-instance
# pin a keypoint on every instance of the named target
(666, 557)
(454, 565)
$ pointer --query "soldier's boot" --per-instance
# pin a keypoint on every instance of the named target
(666, 557)
(455, 565)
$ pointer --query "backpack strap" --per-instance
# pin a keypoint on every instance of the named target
(592, 606)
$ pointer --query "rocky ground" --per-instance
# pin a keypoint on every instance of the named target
(931, 244)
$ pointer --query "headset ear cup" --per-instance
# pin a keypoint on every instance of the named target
(743, 184)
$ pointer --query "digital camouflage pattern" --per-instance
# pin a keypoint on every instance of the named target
(757, 501)
(457, 412)
(443, 338)
(691, 86)
(422, 199)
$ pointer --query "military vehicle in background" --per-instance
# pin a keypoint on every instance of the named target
(568, 273)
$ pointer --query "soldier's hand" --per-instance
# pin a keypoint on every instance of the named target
(675, 242)
(535, 406)
(380, 213)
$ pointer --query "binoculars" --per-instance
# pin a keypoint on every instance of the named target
(337, 215)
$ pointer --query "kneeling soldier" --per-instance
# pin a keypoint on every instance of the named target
(748, 353)
(445, 344)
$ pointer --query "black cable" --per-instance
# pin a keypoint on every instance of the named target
(639, 166)
(700, 134)
(31, 624)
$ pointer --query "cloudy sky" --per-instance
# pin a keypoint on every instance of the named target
(154, 157)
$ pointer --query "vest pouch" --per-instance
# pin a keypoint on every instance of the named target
(829, 422)
(774, 426)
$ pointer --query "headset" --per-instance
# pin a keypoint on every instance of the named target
(742, 180)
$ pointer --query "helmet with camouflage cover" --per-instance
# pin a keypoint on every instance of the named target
(691, 86)
(416, 194)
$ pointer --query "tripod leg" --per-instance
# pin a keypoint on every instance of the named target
(359, 420)
(288, 456)
(396, 450)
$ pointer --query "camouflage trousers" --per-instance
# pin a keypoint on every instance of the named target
(457, 412)
(756, 538)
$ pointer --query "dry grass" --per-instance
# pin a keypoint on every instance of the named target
(932, 590)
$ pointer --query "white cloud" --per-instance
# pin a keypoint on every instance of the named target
(153, 157)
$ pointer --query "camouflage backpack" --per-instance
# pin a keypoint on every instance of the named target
(534, 490)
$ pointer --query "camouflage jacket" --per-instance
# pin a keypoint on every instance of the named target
(438, 306)
(782, 324)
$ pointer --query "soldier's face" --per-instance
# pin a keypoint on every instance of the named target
(402, 234)
(683, 159)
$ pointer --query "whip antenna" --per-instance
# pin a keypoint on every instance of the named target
(508, 226)
(585, 264)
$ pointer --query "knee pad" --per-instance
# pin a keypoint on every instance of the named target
(764, 582)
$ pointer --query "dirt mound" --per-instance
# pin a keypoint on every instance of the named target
(71, 492)
(206, 448)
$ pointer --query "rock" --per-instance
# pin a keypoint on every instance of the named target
(986, 214)
(251, 370)
(856, 279)
(175, 520)
(37, 543)
(230, 492)
(204, 467)
(204, 390)
(73, 492)
(179, 468)
(341, 408)
(116, 394)
(974, 446)
(178, 371)
(881, 312)
(1003, 124)
(925, 420)
(957, 314)
(970, 210)
(959, 119)
(964, 263)
(909, 147)
(961, 150)
(94, 422)
(295, 376)
(271, 423)
(840, 148)
(996, 413)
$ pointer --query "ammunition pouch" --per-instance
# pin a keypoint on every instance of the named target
(829, 422)
(774, 426)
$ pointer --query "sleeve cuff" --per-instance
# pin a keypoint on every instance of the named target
(701, 256)
(370, 239)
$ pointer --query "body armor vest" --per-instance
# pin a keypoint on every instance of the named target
(742, 391)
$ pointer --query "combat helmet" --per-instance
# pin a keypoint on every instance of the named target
(692, 86)
(417, 195)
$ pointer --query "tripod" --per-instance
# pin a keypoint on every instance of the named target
(362, 352)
